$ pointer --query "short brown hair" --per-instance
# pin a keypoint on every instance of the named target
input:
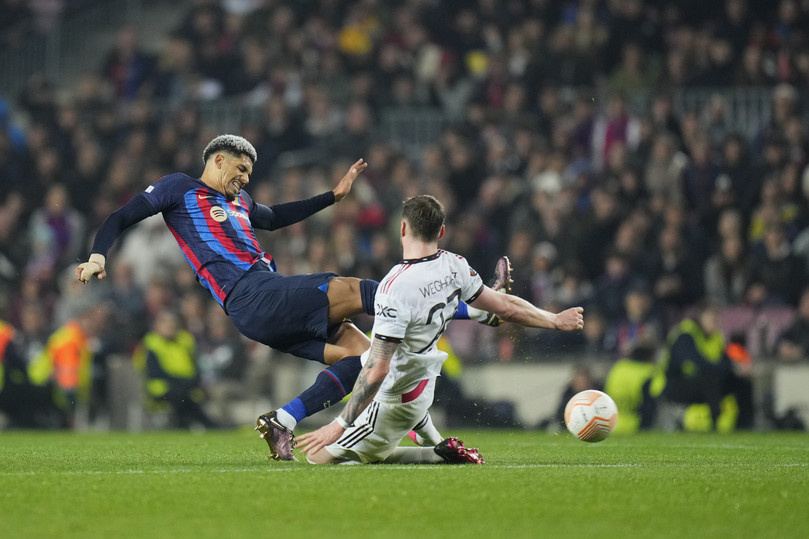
(425, 214)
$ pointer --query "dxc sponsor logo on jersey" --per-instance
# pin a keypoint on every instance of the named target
(437, 285)
(385, 311)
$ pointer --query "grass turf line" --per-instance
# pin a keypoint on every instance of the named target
(176, 484)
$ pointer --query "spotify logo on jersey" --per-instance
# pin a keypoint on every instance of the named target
(218, 214)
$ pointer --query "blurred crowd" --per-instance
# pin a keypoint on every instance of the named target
(561, 147)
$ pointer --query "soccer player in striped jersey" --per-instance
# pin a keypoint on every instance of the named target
(214, 220)
(394, 391)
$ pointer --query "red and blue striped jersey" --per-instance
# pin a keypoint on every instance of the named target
(217, 236)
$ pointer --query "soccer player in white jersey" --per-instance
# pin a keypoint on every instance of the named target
(394, 391)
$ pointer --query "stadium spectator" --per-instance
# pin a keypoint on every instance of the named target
(698, 371)
(66, 362)
(25, 404)
(664, 169)
(631, 382)
(641, 319)
(618, 127)
(129, 320)
(675, 271)
(167, 360)
(631, 239)
(62, 225)
(776, 274)
(595, 231)
(174, 77)
(14, 250)
(12, 375)
(736, 166)
(793, 344)
(783, 107)
(753, 71)
(727, 273)
(544, 275)
(150, 235)
(699, 181)
(632, 76)
(612, 285)
(127, 66)
(734, 24)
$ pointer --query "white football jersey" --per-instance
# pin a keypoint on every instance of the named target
(414, 303)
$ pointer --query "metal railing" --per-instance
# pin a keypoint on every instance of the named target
(746, 109)
(51, 52)
(412, 128)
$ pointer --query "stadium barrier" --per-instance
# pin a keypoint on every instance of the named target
(534, 389)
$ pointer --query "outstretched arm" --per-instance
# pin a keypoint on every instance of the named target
(515, 309)
(288, 213)
(365, 389)
(132, 212)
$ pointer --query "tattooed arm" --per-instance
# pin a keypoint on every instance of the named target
(370, 378)
(365, 388)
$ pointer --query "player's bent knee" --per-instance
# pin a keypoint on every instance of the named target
(348, 341)
(355, 341)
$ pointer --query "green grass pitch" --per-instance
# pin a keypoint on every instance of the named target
(177, 484)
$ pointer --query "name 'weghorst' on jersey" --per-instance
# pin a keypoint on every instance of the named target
(439, 285)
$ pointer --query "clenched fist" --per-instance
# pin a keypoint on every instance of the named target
(94, 266)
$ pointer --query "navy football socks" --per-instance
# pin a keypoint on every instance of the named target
(331, 385)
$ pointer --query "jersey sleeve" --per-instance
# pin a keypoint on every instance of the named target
(132, 212)
(471, 282)
(391, 316)
(285, 214)
(161, 195)
(165, 193)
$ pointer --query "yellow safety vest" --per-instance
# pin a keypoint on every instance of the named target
(176, 358)
(66, 359)
(710, 346)
(452, 366)
(625, 385)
